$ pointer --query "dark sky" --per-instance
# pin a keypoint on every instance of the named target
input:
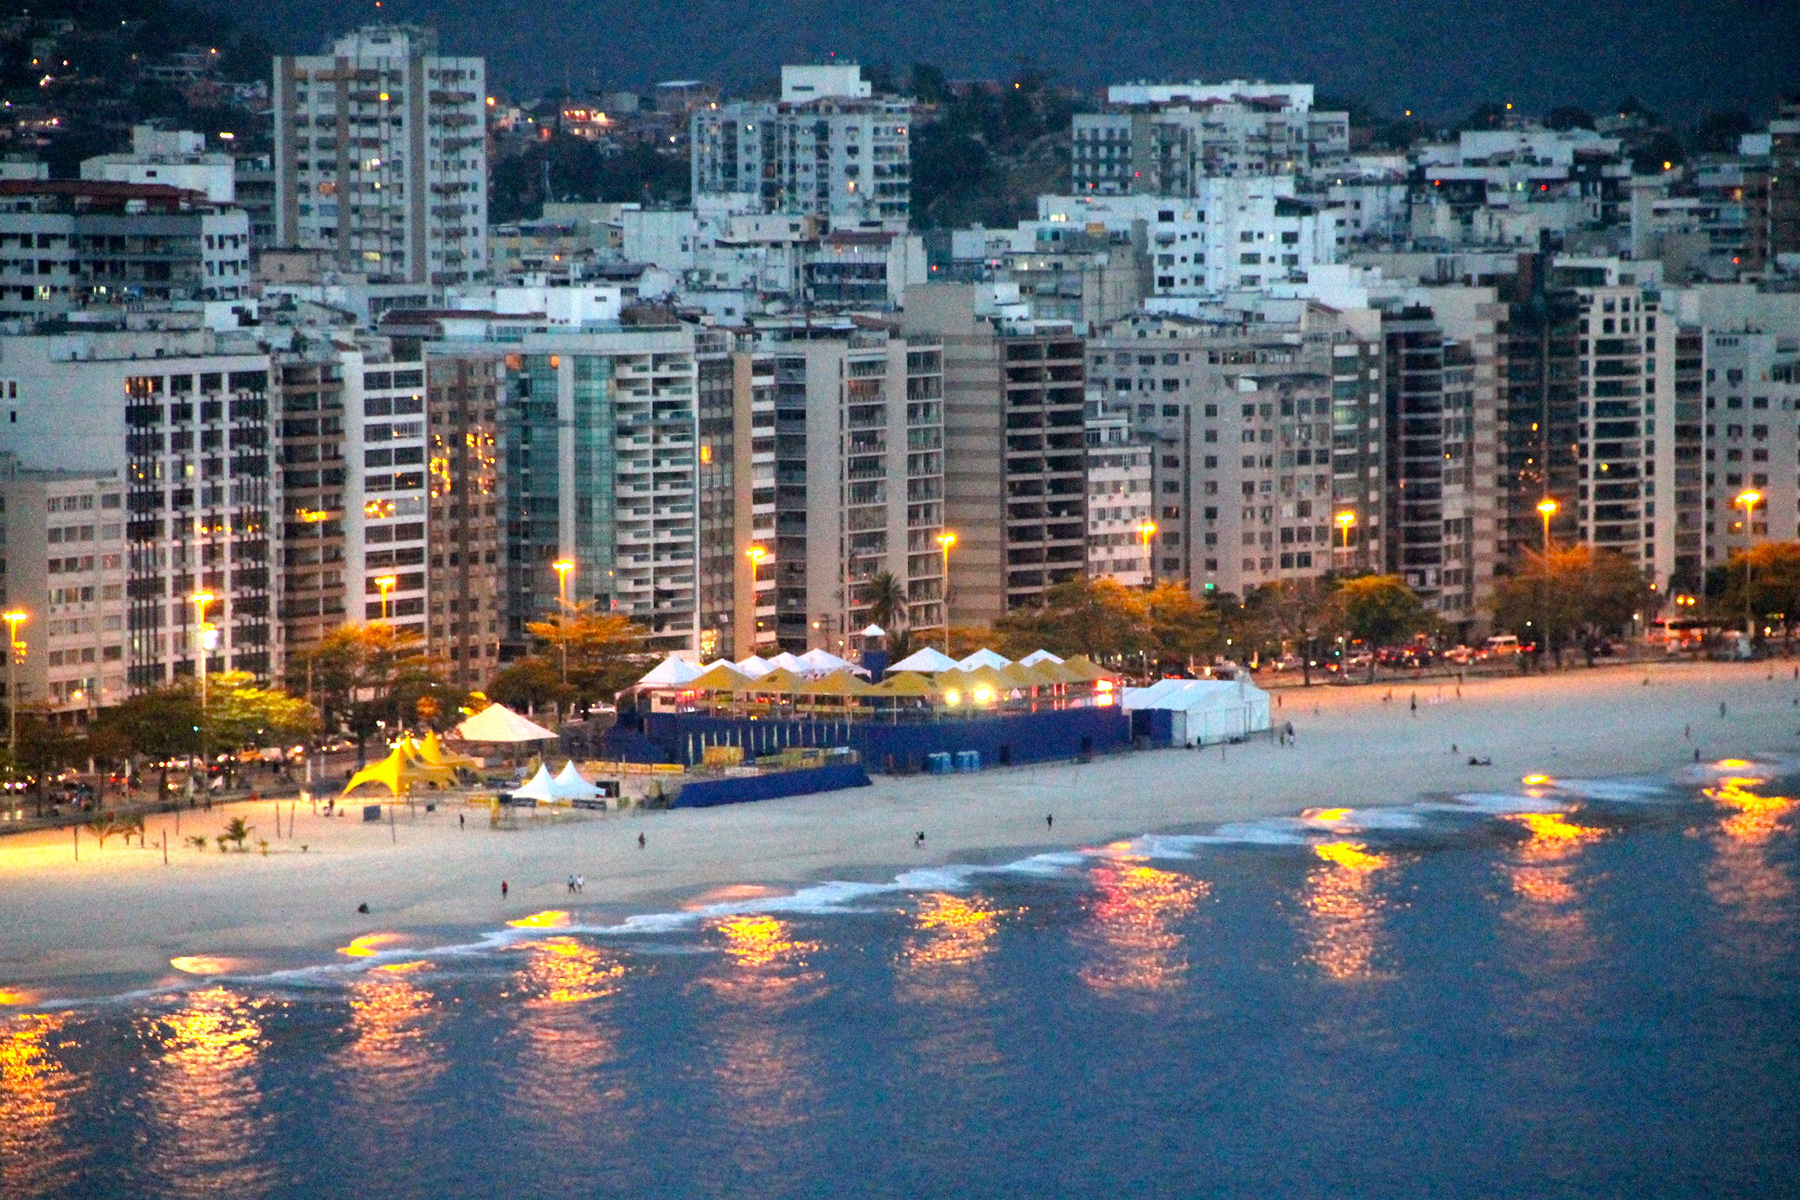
(1439, 57)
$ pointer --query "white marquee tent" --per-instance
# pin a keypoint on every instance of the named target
(1204, 711)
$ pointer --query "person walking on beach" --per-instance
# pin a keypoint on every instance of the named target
(1721, 709)
(1415, 704)
(640, 841)
(571, 885)
(1049, 820)
(581, 883)
(1290, 733)
(461, 821)
(503, 889)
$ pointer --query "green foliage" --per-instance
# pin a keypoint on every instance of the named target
(1774, 586)
(1380, 609)
(362, 675)
(1104, 618)
(236, 831)
(1287, 614)
(1570, 593)
(198, 842)
(579, 171)
(985, 157)
(102, 826)
(886, 597)
(605, 653)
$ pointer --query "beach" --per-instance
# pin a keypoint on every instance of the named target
(120, 913)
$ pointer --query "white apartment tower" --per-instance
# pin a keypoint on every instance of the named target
(381, 156)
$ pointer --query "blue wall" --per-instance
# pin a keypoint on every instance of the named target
(1027, 737)
(773, 786)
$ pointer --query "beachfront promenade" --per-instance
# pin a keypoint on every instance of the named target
(121, 909)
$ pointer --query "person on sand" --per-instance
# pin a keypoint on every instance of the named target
(640, 841)
(1049, 820)
(503, 889)
(919, 839)
(461, 821)
(1415, 704)
(1721, 708)
(581, 883)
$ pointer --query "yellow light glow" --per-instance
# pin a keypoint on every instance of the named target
(204, 964)
(404, 968)
(946, 539)
(368, 945)
(1136, 948)
(756, 554)
(1536, 780)
(759, 940)
(1733, 764)
(1553, 827)
(1353, 856)
(548, 919)
(1548, 507)
(1748, 499)
(1329, 816)
(952, 697)
(984, 695)
(10, 997)
(953, 931)
(565, 970)
(1345, 519)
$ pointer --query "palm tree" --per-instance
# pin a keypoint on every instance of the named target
(886, 598)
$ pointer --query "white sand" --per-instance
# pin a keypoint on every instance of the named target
(122, 910)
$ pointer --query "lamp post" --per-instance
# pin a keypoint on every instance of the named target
(1547, 508)
(1147, 530)
(562, 567)
(13, 620)
(1748, 500)
(1345, 521)
(385, 584)
(201, 600)
(946, 539)
(757, 556)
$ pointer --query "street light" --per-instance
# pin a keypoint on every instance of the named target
(1547, 508)
(1345, 521)
(385, 584)
(562, 567)
(946, 539)
(1147, 530)
(13, 646)
(1747, 500)
(201, 600)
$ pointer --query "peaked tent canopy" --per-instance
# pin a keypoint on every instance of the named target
(432, 751)
(498, 723)
(905, 683)
(399, 771)
(927, 660)
(540, 787)
(672, 671)
(873, 631)
(779, 679)
(754, 667)
(984, 658)
(569, 785)
(1083, 668)
(1038, 656)
(838, 683)
(823, 661)
(721, 677)
(790, 661)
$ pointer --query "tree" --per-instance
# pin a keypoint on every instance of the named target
(240, 715)
(1292, 612)
(605, 651)
(1718, 132)
(886, 597)
(1571, 592)
(45, 748)
(236, 830)
(1774, 584)
(1182, 627)
(1567, 116)
(364, 676)
(159, 724)
(1103, 618)
(1379, 609)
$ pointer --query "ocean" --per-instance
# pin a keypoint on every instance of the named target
(1569, 988)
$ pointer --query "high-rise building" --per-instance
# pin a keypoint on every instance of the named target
(467, 571)
(1121, 500)
(1015, 448)
(859, 472)
(385, 489)
(827, 148)
(381, 156)
(308, 395)
(736, 495)
(182, 419)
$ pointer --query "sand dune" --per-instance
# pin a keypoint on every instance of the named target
(121, 912)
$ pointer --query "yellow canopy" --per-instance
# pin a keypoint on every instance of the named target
(721, 677)
(779, 680)
(839, 683)
(399, 771)
(1020, 676)
(905, 683)
(1084, 669)
(432, 752)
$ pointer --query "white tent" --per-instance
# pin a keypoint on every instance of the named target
(755, 667)
(569, 785)
(791, 662)
(671, 672)
(984, 658)
(1203, 711)
(498, 723)
(1038, 656)
(873, 631)
(926, 661)
(540, 787)
(822, 662)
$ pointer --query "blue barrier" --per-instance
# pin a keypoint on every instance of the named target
(804, 782)
(1000, 740)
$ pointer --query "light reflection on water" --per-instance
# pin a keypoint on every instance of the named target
(942, 977)
(1134, 946)
(36, 1092)
(206, 1126)
(1344, 911)
(1754, 893)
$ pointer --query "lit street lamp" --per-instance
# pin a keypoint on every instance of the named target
(562, 567)
(1147, 530)
(13, 647)
(1748, 500)
(946, 539)
(201, 600)
(385, 584)
(1345, 521)
(1547, 508)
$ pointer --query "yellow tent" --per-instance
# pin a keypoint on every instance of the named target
(1083, 668)
(779, 680)
(432, 753)
(721, 677)
(905, 683)
(399, 771)
(839, 683)
(1018, 675)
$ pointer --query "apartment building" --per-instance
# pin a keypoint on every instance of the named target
(1167, 139)
(1251, 232)
(1588, 415)
(859, 474)
(1752, 439)
(177, 159)
(308, 397)
(385, 447)
(466, 563)
(62, 539)
(1121, 501)
(182, 420)
(828, 148)
(1015, 447)
(737, 542)
(69, 244)
(1261, 432)
(381, 156)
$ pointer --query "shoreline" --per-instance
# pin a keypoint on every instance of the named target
(119, 913)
